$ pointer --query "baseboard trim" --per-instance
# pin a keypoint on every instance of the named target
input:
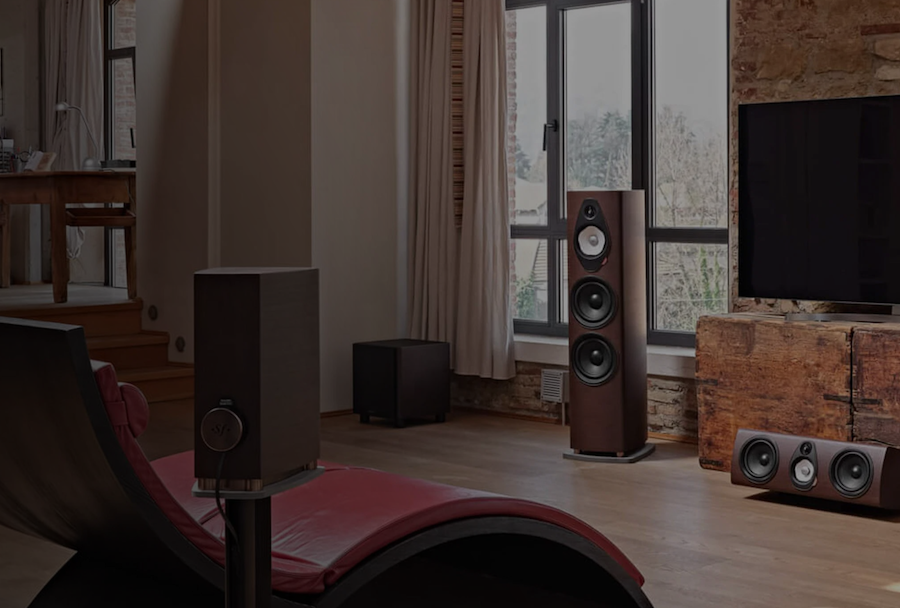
(676, 438)
(689, 439)
(335, 413)
(555, 421)
(514, 416)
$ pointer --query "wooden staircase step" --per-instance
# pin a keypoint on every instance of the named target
(105, 320)
(147, 349)
(172, 382)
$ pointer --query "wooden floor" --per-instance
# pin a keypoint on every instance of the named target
(39, 297)
(699, 541)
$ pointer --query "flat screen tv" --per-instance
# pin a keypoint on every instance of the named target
(819, 200)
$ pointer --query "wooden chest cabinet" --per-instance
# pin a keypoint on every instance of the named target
(835, 380)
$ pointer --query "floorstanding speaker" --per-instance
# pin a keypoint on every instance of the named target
(607, 263)
(832, 470)
(256, 365)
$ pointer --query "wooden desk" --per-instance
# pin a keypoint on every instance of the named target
(59, 189)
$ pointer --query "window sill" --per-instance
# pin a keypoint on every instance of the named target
(666, 361)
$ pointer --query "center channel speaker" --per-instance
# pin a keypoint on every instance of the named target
(607, 263)
(256, 365)
(832, 470)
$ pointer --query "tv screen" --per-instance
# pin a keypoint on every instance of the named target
(819, 200)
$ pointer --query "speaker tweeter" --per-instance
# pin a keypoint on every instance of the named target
(804, 469)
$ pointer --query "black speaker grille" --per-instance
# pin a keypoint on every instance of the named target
(593, 302)
(594, 360)
(759, 460)
(851, 473)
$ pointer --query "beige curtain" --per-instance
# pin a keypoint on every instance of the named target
(73, 72)
(485, 345)
(459, 278)
(433, 235)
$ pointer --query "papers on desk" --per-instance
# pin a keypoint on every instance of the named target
(40, 161)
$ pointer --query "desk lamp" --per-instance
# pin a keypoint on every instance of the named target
(90, 163)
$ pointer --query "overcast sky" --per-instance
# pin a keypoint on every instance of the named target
(691, 63)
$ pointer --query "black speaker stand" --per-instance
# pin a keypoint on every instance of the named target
(631, 457)
(248, 552)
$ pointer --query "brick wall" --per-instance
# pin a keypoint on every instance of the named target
(520, 395)
(807, 49)
(671, 402)
(672, 407)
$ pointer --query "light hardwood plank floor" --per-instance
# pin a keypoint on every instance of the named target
(699, 541)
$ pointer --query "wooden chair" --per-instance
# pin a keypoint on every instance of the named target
(61, 191)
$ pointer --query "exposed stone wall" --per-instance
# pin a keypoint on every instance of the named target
(671, 402)
(520, 395)
(672, 407)
(785, 50)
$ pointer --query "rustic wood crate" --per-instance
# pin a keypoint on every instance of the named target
(759, 372)
(876, 383)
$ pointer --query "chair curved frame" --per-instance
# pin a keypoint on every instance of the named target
(65, 478)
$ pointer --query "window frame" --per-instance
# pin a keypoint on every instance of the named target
(643, 151)
(110, 56)
(555, 231)
(674, 235)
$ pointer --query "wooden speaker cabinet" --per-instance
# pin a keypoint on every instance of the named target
(607, 326)
(832, 470)
(256, 335)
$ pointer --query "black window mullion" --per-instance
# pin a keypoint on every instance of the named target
(125, 52)
(555, 112)
(717, 236)
(108, 241)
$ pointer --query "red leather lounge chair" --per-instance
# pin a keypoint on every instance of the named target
(73, 473)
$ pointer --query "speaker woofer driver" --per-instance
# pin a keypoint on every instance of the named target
(593, 302)
(759, 460)
(593, 360)
(851, 473)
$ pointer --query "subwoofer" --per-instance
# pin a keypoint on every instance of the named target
(832, 470)
(256, 366)
(607, 326)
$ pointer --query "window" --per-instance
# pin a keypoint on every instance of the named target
(120, 110)
(620, 95)
(688, 211)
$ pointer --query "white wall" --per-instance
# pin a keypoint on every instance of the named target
(223, 161)
(359, 73)
(265, 133)
(19, 39)
(238, 198)
(172, 167)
